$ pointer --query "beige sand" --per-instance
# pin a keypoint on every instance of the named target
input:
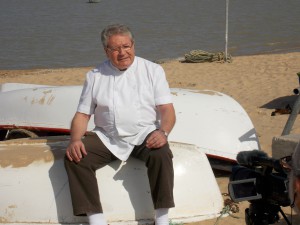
(259, 83)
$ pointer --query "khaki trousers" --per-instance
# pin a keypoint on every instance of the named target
(83, 182)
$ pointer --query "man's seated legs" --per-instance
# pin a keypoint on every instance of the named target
(82, 176)
(84, 186)
(161, 178)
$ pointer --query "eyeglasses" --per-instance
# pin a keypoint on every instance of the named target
(120, 48)
(286, 163)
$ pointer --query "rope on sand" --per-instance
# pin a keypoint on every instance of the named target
(229, 208)
(198, 56)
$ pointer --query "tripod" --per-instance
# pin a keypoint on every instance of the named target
(263, 213)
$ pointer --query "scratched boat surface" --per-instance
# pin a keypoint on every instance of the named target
(34, 186)
(214, 122)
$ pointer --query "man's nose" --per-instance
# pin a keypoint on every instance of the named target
(121, 50)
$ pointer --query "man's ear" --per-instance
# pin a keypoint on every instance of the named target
(106, 52)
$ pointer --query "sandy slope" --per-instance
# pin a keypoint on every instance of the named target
(259, 83)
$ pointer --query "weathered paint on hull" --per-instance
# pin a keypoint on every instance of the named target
(34, 186)
(212, 121)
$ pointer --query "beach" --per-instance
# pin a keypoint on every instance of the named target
(259, 83)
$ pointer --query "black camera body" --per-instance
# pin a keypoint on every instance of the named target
(261, 181)
(250, 184)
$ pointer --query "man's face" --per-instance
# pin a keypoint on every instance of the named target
(120, 51)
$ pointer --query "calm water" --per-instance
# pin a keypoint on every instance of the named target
(65, 33)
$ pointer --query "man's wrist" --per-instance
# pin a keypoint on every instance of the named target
(164, 132)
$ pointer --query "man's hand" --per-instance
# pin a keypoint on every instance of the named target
(75, 151)
(156, 139)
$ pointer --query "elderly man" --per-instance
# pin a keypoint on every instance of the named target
(133, 115)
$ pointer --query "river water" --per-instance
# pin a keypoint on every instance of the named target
(66, 33)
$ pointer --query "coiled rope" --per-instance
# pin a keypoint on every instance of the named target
(198, 56)
(229, 208)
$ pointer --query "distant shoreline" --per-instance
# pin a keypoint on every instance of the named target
(164, 60)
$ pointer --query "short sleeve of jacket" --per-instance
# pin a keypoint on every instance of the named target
(86, 104)
(162, 92)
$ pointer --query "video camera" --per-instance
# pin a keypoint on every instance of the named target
(262, 181)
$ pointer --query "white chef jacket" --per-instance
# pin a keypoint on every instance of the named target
(124, 103)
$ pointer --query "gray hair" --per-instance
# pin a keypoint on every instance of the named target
(296, 161)
(114, 29)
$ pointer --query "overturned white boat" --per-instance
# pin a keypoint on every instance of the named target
(34, 186)
(212, 121)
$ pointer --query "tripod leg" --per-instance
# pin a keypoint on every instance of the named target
(284, 216)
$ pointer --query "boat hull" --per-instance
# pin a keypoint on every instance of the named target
(211, 120)
(34, 186)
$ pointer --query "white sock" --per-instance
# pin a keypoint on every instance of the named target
(96, 219)
(161, 216)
